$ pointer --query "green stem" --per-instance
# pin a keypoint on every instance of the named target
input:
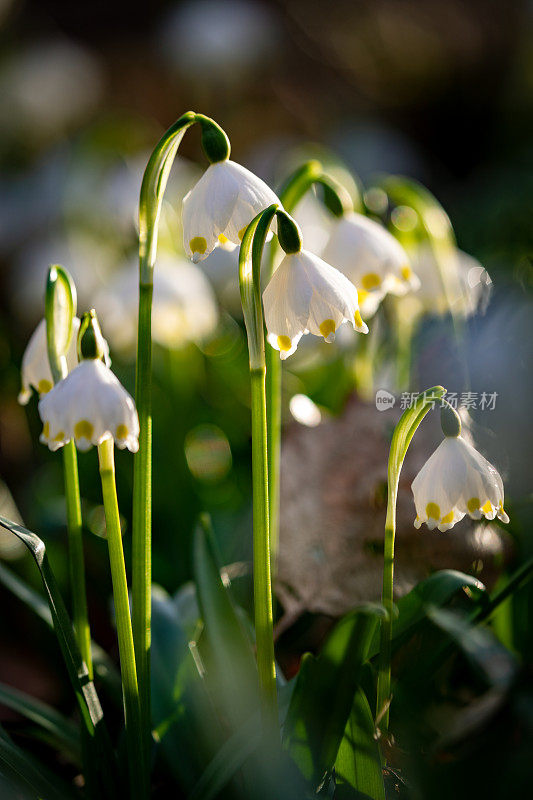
(151, 198)
(60, 310)
(384, 667)
(132, 715)
(142, 509)
(76, 559)
(274, 375)
(253, 243)
(401, 439)
(264, 626)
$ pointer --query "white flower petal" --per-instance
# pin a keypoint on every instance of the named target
(456, 480)
(35, 369)
(222, 204)
(306, 295)
(369, 255)
(89, 405)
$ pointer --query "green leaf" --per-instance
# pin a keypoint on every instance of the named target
(358, 772)
(181, 705)
(66, 734)
(437, 590)
(99, 766)
(29, 777)
(487, 656)
(324, 691)
(230, 662)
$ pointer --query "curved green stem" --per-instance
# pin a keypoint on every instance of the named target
(250, 285)
(60, 310)
(132, 713)
(338, 201)
(401, 439)
(152, 190)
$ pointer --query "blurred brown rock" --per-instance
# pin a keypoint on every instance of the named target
(333, 502)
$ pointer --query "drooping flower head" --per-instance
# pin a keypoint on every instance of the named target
(369, 256)
(307, 295)
(35, 369)
(456, 480)
(220, 206)
(90, 404)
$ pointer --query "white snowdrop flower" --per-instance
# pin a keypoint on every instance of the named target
(369, 256)
(219, 208)
(306, 295)
(90, 404)
(456, 480)
(35, 368)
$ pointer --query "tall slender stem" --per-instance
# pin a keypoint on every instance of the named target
(264, 628)
(60, 310)
(384, 667)
(274, 376)
(150, 201)
(132, 715)
(401, 439)
(253, 243)
(76, 559)
(142, 508)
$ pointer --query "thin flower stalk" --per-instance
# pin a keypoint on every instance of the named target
(215, 212)
(60, 312)
(132, 711)
(249, 279)
(300, 182)
(403, 433)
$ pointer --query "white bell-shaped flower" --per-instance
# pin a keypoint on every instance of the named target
(89, 405)
(306, 295)
(35, 368)
(369, 256)
(219, 208)
(456, 480)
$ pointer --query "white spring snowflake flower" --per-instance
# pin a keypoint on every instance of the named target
(89, 405)
(369, 256)
(219, 208)
(35, 368)
(306, 295)
(457, 480)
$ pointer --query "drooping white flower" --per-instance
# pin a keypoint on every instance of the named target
(369, 256)
(89, 405)
(306, 295)
(219, 208)
(456, 480)
(35, 368)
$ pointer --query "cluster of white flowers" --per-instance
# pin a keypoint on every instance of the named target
(306, 294)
